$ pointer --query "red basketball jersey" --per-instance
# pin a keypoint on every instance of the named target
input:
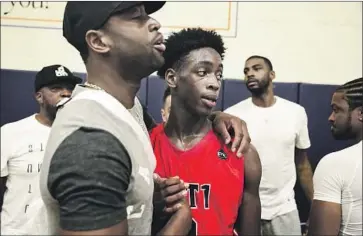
(215, 176)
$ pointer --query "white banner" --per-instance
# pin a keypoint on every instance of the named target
(219, 16)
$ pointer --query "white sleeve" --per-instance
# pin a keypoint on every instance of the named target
(302, 140)
(5, 151)
(234, 111)
(328, 184)
(228, 110)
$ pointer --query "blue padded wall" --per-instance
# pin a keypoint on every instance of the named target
(17, 95)
(155, 91)
(142, 94)
(219, 105)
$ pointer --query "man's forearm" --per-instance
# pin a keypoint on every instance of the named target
(251, 218)
(305, 175)
(179, 223)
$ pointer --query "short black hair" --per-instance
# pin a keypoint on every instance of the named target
(167, 93)
(265, 59)
(179, 44)
(353, 91)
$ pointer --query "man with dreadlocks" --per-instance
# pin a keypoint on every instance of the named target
(222, 187)
(337, 205)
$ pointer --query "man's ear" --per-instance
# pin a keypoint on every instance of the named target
(39, 97)
(171, 78)
(272, 75)
(360, 114)
(98, 41)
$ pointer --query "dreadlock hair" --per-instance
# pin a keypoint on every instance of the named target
(166, 94)
(265, 59)
(180, 44)
(353, 91)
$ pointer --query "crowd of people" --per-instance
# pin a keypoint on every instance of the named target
(92, 161)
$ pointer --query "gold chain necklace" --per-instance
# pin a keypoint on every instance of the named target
(89, 85)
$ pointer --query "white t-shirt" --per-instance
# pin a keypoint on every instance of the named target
(338, 179)
(275, 132)
(22, 149)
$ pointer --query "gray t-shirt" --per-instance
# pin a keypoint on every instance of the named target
(98, 166)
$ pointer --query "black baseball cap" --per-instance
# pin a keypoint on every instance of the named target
(79, 17)
(55, 74)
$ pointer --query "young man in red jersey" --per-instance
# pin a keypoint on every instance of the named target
(223, 189)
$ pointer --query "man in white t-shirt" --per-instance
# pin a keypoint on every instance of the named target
(22, 149)
(278, 129)
(337, 205)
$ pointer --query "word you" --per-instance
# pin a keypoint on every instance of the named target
(10, 6)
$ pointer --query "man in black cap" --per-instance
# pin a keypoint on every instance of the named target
(22, 151)
(97, 176)
(52, 84)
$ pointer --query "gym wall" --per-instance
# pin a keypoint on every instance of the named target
(310, 42)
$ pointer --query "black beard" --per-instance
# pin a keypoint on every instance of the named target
(257, 92)
(51, 112)
(346, 133)
(262, 88)
(343, 136)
